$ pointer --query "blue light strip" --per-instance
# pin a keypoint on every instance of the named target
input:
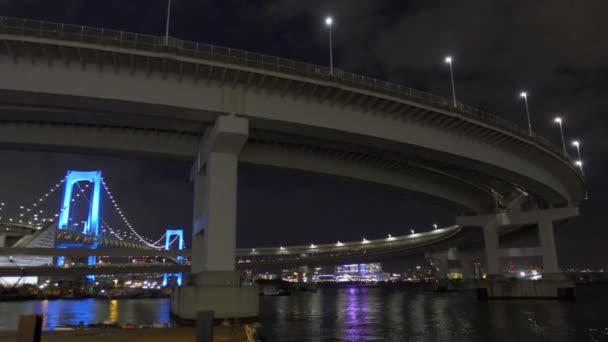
(92, 224)
(180, 246)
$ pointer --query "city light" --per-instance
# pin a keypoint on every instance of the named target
(365, 240)
(390, 237)
(448, 60)
(312, 246)
(329, 21)
(339, 244)
(412, 231)
(435, 226)
(579, 162)
(524, 95)
(558, 121)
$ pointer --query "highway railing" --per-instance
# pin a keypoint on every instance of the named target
(151, 43)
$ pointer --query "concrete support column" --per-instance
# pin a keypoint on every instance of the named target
(547, 245)
(214, 283)
(467, 268)
(215, 177)
(304, 270)
(2, 240)
(553, 284)
(443, 266)
(490, 238)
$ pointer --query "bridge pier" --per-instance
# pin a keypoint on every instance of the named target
(553, 284)
(214, 282)
(451, 265)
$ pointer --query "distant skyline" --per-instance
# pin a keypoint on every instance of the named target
(554, 52)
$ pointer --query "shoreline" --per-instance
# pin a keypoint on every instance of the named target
(175, 334)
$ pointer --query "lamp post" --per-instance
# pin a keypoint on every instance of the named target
(448, 60)
(329, 21)
(524, 95)
(167, 22)
(558, 121)
(579, 162)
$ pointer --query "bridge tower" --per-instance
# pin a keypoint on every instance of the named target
(91, 224)
(180, 234)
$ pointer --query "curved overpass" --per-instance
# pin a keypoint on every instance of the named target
(279, 256)
(84, 89)
(355, 251)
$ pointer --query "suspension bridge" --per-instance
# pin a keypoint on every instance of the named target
(58, 231)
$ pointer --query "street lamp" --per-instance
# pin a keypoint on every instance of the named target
(448, 60)
(329, 21)
(524, 95)
(579, 162)
(167, 22)
(412, 231)
(558, 121)
(435, 226)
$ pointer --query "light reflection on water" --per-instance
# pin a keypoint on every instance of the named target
(63, 312)
(366, 314)
(416, 314)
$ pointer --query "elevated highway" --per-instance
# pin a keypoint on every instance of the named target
(93, 90)
(84, 270)
(290, 256)
(85, 89)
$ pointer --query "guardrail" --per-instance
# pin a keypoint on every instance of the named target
(150, 43)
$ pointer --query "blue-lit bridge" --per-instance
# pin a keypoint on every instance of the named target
(42, 235)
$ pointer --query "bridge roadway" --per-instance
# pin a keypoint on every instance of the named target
(127, 93)
(287, 256)
(16, 229)
(95, 269)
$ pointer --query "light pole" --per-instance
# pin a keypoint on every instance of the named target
(579, 162)
(524, 95)
(329, 21)
(167, 22)
(558, 121)
(448, 60)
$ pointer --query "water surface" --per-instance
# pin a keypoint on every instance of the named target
(367, 314)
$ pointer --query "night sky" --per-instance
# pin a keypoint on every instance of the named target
(557, 50)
